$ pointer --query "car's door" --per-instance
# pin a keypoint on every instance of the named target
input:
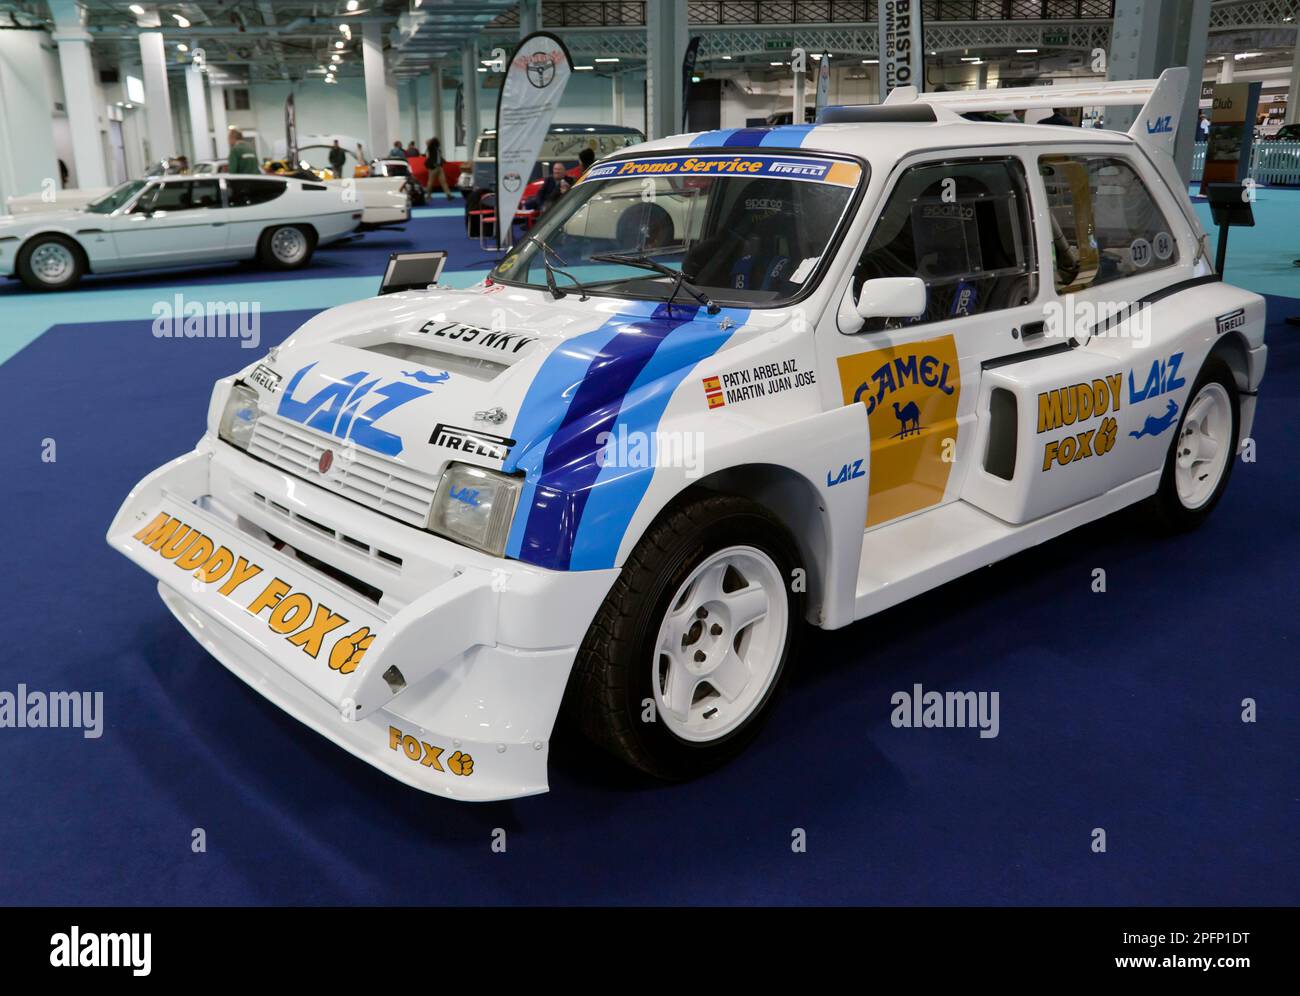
(963, 225)
(174, 222)
(254, 202)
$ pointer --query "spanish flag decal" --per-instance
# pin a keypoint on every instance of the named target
(713, 392)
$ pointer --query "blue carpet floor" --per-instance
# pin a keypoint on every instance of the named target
(1118, 710)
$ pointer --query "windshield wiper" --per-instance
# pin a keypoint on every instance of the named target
(551, 271)
(646, 263)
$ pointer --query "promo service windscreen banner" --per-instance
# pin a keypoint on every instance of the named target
(536, 76)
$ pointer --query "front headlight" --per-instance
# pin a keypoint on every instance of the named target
(474, 506)
(239, 417)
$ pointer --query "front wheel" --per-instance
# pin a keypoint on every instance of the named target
(286, 247)
(1201, 454)
(51, 262)
(684, 661)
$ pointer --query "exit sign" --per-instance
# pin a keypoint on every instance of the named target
(1056, 37)
(779, 44)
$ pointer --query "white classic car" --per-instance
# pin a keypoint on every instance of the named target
(177, 221)
(735, 381)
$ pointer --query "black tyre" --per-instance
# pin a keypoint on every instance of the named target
(51, 263)
(286, 247)
(687, 655)
(1202, 451)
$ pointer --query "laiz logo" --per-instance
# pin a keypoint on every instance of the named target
(337, 408)
(848, 472)
(1160, 125)
(1161, 379)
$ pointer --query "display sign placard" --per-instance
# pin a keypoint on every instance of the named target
(902, 55)
(1232, 133)
(536, 75)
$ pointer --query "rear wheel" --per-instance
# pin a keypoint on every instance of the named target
(50, 263)
(686, 657)
(1202, 452)
(286, 247)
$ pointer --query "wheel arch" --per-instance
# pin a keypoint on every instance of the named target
(796, 503)
(30, 240)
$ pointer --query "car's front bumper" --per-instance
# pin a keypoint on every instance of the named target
(445, 669)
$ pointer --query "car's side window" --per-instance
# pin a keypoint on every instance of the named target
(1105, 224)
(964, 228)
(205, 194)
(246, 193)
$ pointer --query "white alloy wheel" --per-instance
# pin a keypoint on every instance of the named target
(53, 263)
(288, 245)
(1203, 445)
(720, 644)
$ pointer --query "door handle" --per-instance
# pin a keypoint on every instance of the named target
(218, 224)
(1030, 329)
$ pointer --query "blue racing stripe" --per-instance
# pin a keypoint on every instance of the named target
(787, 136)
(712, 138)
(547, 521)
(618, 489)
(547, 402)
(746, 137)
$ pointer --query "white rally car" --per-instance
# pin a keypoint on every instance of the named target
(177, 221)
(738, 380)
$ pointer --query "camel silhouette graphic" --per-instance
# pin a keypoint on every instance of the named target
(909, 419)
(1154, 425)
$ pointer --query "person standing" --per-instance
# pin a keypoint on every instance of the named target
(337, 158)
(433, 163)
(242, 157)
(397, 152)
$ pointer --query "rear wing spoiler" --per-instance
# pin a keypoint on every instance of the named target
(1155, 128)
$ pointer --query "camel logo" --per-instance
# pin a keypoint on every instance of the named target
(1156, 424)
(909, 419)
(911, 392)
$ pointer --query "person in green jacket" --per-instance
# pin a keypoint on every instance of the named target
(242, 157)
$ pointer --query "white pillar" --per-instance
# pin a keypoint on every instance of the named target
(530, 17)
(797, 104)
(1226, 69)
(220, 136)
(79, 92)
(983, 77)
(391, 112)
(200, 141)
(413, 95)
(616, 82)
(666, 47)
(469, 73)
(372, 59)
(1293, 92)
(160, 140)
(436, 97)
(28, 162)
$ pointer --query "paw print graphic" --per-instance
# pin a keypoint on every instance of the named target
(349, 650)
(460, 764)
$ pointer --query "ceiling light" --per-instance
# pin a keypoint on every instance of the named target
(338, 44)
(613, 58)
(182, 21)
(352, 5)
(970, 58)
(727, 57)
(871, 62)
(182, 47)
(136, 9)
(577, 68)
(1026, 51)
(336, 57)
(695, 79)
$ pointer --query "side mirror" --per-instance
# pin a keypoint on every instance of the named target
(884, 297)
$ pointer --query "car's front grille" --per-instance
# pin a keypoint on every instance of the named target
(367, 478)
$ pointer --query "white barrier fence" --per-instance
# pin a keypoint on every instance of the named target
(1275, 164)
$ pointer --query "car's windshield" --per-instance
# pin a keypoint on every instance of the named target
(748, 230)
(115, 198)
